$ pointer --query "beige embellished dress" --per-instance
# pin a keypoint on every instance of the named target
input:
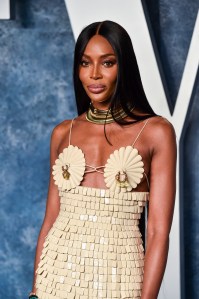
(94, 248)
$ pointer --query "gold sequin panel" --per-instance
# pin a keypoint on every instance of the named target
(94, 248)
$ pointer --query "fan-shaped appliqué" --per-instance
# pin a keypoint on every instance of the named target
(69, 168)
(124, 169)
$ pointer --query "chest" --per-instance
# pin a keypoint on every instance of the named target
(120, 164)
(98, 145)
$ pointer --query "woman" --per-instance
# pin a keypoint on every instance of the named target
(103, 163)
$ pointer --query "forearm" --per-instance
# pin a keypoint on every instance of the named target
(154, 266)
(41, 238)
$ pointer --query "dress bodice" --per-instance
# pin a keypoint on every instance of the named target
(122, 172)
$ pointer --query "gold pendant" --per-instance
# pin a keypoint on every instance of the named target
(65, 172)
(122, 179)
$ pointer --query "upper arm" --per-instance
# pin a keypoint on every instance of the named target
(162, 178)
(53, 201)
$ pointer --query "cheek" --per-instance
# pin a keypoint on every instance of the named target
(112, 80)
(112, 76)
(82, 75)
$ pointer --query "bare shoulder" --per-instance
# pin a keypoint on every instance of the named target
(161, 131)
(59, 131)
(160, 125)
(62, 129)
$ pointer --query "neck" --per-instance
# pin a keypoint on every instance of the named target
(101, 116)
(101, 105)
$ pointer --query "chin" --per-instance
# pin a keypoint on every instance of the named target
(103, 101)
(99, 99)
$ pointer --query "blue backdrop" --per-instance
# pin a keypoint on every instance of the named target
(36, 93)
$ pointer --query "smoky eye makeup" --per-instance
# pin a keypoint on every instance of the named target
(84, 62)
(106, 61)
(109, 62)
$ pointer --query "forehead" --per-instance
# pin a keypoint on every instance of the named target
(98, 45)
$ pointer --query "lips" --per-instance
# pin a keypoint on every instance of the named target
(96, 88)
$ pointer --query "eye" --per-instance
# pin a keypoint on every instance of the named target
(109, 63)
(84, 63)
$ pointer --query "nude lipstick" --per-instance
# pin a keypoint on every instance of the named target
(96, 88)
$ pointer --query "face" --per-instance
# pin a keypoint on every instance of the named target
(98, 71)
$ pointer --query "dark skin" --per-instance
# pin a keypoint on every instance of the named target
(156, 145)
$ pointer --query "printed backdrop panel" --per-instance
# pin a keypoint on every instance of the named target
(36, 92)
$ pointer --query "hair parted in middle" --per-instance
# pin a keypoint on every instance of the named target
(129, 91)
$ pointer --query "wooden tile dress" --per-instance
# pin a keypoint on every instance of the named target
(94, 248)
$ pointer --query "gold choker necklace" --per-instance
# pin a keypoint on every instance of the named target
(98, 116)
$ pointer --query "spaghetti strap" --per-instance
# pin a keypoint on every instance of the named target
(140, 132)
(71, 124)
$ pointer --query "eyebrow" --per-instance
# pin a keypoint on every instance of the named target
(105, 55)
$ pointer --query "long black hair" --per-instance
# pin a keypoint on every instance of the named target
(129, 92)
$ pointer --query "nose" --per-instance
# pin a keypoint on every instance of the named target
(95, 72)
